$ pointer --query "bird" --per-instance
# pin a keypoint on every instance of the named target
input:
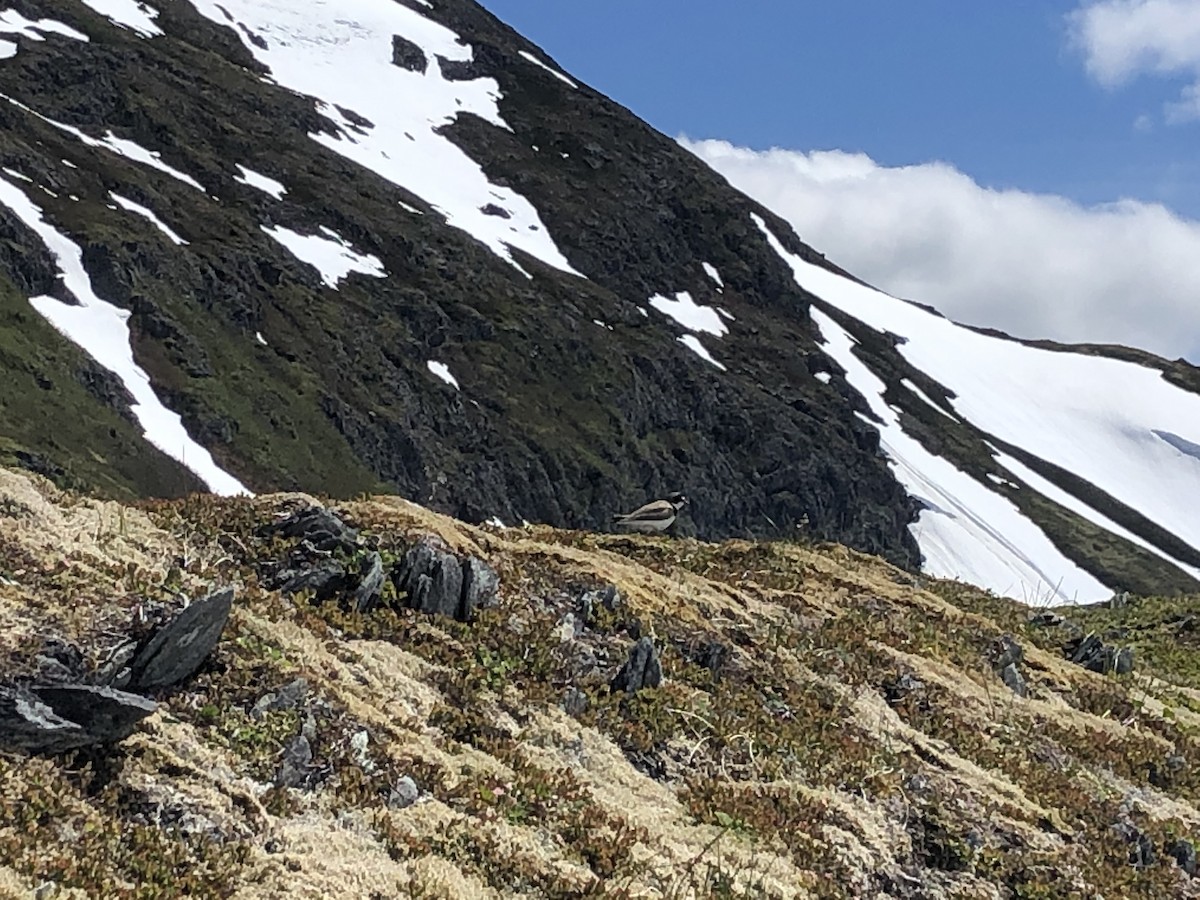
(656, 516)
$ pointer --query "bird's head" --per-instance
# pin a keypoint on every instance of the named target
(677, 499)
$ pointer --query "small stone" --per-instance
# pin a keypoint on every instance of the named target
(575, 702)
(359, 742)
(901, 687)
(1184, 853)
(1015, 681)
(568, 628)
(297, 755)
(1009, 652)
(367, 594)
(642, 669)
(404, 793)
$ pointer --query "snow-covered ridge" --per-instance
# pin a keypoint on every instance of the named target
(102, 331)
(341, 54)
(1102, 419)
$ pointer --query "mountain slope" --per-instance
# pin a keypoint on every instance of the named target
(391, 246)
(341, 396)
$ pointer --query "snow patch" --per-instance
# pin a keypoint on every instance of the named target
(332, 255)
(602, 324)
(16, 174)
(965, 530)
(102, 331)
(823, 376)
(260, 182)
(12, 22)
(693, 343)
(1053, 492)
(712, 272)
(341, 54)
(1094, 416)
(148, 214)
(258, 337)
(7, 49)
(132, 14)
(442, 371)
(691, 315)
(526, 55)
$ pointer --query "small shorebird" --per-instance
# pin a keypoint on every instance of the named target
(654, 517)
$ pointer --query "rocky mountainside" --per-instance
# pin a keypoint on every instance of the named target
(390, 246)
(379, 701)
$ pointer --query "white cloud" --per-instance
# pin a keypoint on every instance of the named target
(1121, 39)
(1033, 265)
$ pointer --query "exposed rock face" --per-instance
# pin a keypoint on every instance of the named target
(428, 577)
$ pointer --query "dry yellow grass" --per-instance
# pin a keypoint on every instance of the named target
(799, 773)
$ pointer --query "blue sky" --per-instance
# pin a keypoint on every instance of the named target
(993, 88)
(1028, 166)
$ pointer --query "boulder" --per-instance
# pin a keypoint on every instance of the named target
(178, 649)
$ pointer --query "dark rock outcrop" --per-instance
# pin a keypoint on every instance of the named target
(60, 717)
(1093, 654)
(431, 579)
(1184, 853)
(179, 648)
(370, 584)
(321, 528)
(1009, 656)
(642, 669)
(408, 55)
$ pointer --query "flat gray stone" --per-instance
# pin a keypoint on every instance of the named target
(179, 648)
